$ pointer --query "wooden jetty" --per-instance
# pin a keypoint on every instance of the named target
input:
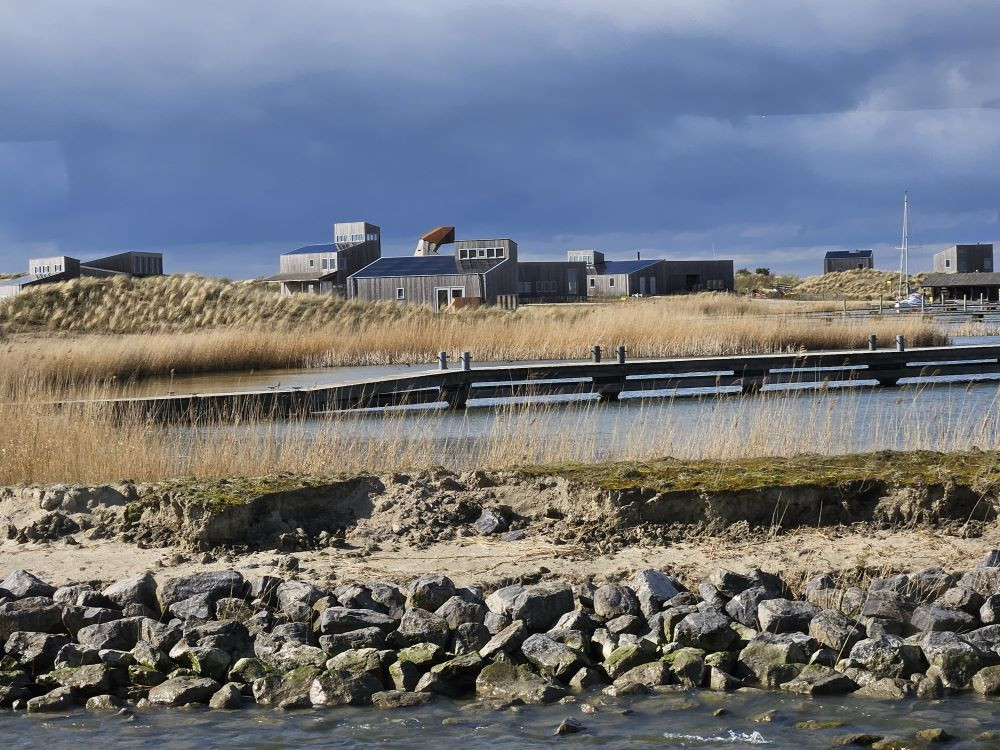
(608, 378)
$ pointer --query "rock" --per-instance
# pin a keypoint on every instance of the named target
(453, 678)
(289, 690)
(469, 637)
(362, 638)
(711, 597)
(720, 680)
(501, 601)
(89, 680)
(955, 659)
(930, 688)
(743, 606)
(421, 626)
(20, 584)
(336, 620)
(404, 675)
(612, 601)
(632, 624)
(624, 658)
(959, 597)
(729, 583)
(936, 734)
(74, 655)
(651, 674)
(74, 617)
(365, 661)
(709, 631)
(178, 691)
(857, 740)
(430, 591)
(228, 697)
(35, 651)
(688, 666)
(339, 687)
(215, 584)
(835, 630)
(887, 688)
(122, 634)
(885, 605)
(139, 589)
(569, 726)
(927, 618)
(60, 699)
(541, 606)
(388, 699)
(887, 656)
(586, 678)
(203, 661)
(987, 681)
(495, 623)
(490, 522)
(198, 608)
(456, 611)
(989, 612)
(296, 598)
(507, 682)
(507, 641)
(550, 657)
(105, 704)
(771, 659)
(246, 670)
(818, 680)
(297, 633)
(653, 589)
(293, 656)
(785, 615)
(34, 614)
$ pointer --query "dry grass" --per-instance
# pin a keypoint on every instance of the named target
(857, 284)
(4, 276)
(82, 443)
(192, 324)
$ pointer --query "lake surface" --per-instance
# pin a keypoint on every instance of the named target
(672, 720)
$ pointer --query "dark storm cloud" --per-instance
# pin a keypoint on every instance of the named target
(221, 132)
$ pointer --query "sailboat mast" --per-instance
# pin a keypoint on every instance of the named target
(904, 260)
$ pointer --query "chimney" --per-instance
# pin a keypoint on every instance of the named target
(638, 255)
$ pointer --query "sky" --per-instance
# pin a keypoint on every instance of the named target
(767, 131)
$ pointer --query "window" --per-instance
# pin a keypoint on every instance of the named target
(312, 263)
(500, 252)
(987, 264)
(524, 287)
(947, 262)
(491, 252)
(593, 281)
(611, 281)
(481, 252)
(324, 263)
(400, 293)
(539, 286)
(552, 286)
(463, 253)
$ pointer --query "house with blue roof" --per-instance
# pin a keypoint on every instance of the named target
(325, 268)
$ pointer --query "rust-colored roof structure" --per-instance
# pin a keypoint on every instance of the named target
(440, 236)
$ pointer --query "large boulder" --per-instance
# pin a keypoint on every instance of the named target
(743, 606)
(335, 620)
(454, 678)
(507, 682)
(611, 601)
(179, 691)
(501, 601)
(420, 626)
(430, 591)
(58, 700)
(20, 584)
(550, 657)
(296, 598)
(653, 589)
(35, 652)
(121, 635)
(888, 656)
(289, 690)
(928, 618)
(785, 615)
(707, 630)
(815, 679)
(139, 589)
(835, 630)
(625, 657)
(541, 606)
(341, 687)
(36, 614)
(215, 584)
(75, 617)
(507, 641)
(88, 680)
(771, 658)
(370, 637)
(457, 611)
(955, 660)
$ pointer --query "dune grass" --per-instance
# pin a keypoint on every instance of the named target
(97, 329)
(855, 284)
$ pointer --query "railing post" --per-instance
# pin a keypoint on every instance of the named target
(596, 353)
(872, 342)
(900, 344)
(921, 303)
(965, 303)
(442, 360)
(621, 355)
(880, 305)
(466, 361)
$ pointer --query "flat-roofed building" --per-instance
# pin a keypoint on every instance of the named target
(847, 260)
(63, 268)
(976, 258)
(325, 268)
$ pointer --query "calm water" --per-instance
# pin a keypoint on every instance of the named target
(674, 720)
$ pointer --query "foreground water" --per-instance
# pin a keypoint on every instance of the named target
(671, 720)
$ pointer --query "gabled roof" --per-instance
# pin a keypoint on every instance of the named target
(961, 279)
(834, 254)
(329, 247)
(616, 267)
(410, 265)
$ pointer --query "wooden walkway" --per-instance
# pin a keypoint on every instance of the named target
(607, 379)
